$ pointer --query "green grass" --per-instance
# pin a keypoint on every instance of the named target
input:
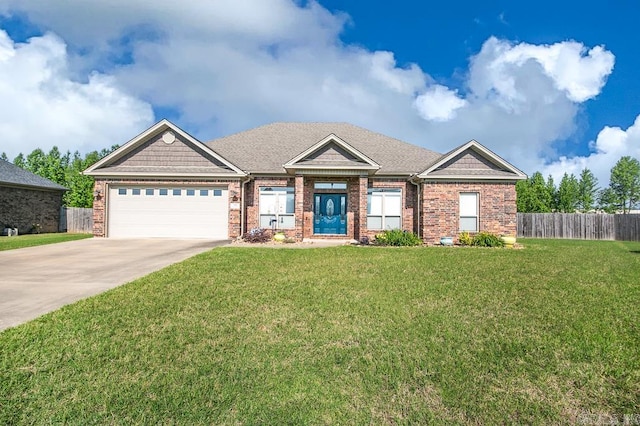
(30, 240)
(544, 335)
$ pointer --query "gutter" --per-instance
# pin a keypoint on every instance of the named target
(415, 181)
(242, 204)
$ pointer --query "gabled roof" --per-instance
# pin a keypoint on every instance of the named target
(331, 153)
(267, 149)
(164, 150)
(472, 161)
(12, 175)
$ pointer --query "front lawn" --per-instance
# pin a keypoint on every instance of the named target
(29, 240)
(544, 335)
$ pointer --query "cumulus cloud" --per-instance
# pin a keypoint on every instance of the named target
(439, 103)
(226, 66)
(42, 106)
(578, 72)
(611, 144)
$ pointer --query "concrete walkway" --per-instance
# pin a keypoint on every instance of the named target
(37, 280)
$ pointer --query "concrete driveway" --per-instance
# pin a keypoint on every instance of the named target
(37, 280)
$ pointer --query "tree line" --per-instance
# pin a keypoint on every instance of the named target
(64, 169)
(582, 194)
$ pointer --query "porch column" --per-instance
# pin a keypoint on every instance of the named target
(299, 207)
(363, 186)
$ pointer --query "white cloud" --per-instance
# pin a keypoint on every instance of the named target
(611, 144)
(226, 66)
(439, 103)
(41, 106)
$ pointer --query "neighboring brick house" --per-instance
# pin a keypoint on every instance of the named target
(27, 199)
(310, 180)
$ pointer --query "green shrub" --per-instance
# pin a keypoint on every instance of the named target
(465, 239)
(487, 239)
(397, 237)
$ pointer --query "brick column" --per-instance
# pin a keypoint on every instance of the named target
(99, 209)
(299, 207)
(361, 219)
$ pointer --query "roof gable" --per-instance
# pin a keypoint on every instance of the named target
(12, 175)
(331, 153)
(164, 150)
(472, 161)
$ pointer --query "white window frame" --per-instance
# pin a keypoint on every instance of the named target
(389, 214)
(276, 207)
(469, 209)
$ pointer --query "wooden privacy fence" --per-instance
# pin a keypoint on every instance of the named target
(76, 220)
(623, 227)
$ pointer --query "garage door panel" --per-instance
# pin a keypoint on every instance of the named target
(202, 215)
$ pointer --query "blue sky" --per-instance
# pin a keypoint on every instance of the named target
(550, 86)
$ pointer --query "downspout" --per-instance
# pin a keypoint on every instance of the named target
(412, 179)
(242, 205)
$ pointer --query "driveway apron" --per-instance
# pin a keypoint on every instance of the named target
(37, 280)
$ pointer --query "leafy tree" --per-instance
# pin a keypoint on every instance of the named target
(65, 170)
(608, 201)
(587, 191)
(80, 186)
(625, 183)
(523, 196)
(552, 194)
(533, 195)
(55, 166)
(568, 194)
(19, 161)
(4, 156)
(36, 162)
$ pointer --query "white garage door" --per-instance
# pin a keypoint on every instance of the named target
(170, 212)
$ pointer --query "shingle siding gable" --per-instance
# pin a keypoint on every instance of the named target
(156, 155)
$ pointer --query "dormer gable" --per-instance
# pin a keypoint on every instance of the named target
(331, 153)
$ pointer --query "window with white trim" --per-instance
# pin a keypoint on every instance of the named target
(277, 207)
(384, 208)
(469, 211)
(330, 185)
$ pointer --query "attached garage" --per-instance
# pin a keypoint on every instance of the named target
(168, 212)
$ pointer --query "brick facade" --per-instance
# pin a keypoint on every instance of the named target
(102, 186)
(440, 213)
(304, 188)
(22, 208)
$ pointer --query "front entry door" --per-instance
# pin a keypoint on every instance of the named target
(330, 214)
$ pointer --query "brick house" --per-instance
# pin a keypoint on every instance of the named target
(309, 180)
(27, 199)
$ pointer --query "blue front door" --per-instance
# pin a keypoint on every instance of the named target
(330, 214)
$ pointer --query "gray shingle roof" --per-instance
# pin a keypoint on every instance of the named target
(13, 175)
(265, 149)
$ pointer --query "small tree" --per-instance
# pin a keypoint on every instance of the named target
(608, 201)
(625, 183)
(533, 195)
(19, 161)
(587, 191)
(552, 194)
(568, 194)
